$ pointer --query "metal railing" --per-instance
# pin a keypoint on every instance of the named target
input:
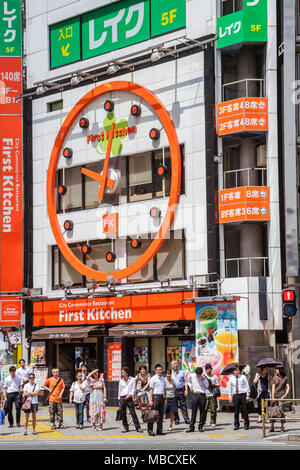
(279, 409)
(249, 87)
(245, 177)
(246, 267)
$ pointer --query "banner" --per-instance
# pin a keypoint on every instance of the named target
(38, 353)
(114, 361)
(217, 338)
(188, 353)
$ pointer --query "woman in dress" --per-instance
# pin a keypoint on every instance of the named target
(98, 399)
(280, 390)
(171, 405)
(143, 384)
(264, 383)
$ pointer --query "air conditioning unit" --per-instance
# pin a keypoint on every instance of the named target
(261, 156)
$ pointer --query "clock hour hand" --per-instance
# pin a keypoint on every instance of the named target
(98, 177)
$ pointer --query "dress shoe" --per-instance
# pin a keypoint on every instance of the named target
(161, 433)
(247, 427)
(201, 429)
(190, 430)
(151, 433)
(236, 427)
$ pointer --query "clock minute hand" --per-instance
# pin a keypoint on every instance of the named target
(106, 162)
(98, 177)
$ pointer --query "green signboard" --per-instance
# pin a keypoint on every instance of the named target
(113, 27)
(65, 42)
(167, 15)
(10, 28)
(247, 25)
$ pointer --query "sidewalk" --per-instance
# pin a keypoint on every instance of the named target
(113, 429)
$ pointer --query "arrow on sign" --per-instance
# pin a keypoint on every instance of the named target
(64, 50)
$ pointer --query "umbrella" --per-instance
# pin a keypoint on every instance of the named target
(269, 362)
(230, 367)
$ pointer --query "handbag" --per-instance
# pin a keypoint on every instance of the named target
(253, 391)
(150, 416)
(5, 408)
(215, 391)
(119, 414)
(274, 411)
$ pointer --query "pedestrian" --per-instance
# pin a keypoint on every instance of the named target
(31, 391)
(238, 392)
(171, 406)
(12, 390)
(78, 397)
(158, 399)
(85, 373)
(143, 384)
(263, 382)
(280, 390)
(181, 392)
(23, 372)
(211, 399)
(127, 389)
(98, 399)
(56, 386)
(198, 384)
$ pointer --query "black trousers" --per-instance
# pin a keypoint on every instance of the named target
(130, 404)
(13, 398)
(158, 404)
(240, 404)
(181, 403)
(198, 401)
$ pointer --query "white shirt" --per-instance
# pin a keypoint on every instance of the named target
(199, 385)
(79, 395)
(127, 388)
(214, 379)
(23, 373)
(158, 384)
(12, 384)
(243, 385)
(30, 389)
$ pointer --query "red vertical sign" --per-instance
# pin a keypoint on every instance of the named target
(11, 187)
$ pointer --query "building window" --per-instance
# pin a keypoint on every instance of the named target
(231, 6)
(169, 262)
(139, 181)
(55, 106)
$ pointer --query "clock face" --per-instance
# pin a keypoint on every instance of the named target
(106, 118)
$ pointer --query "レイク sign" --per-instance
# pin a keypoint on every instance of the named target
(113, 27)
(10, 28)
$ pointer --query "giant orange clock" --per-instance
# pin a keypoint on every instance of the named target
(142, 101)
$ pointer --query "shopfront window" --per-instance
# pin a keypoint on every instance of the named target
(158, 353)
(141, 354)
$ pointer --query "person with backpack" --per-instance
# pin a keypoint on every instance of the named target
(211, 395)
(56, 386)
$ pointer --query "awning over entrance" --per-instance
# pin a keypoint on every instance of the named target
(132, 331)
(62, 333)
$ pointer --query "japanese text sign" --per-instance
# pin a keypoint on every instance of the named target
(10, 28)
(244, 203)
(247, 25)
(243, 114)
(113, 27)
(10, 85)
(10, 311)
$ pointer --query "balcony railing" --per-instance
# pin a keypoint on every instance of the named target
(245, 177)
(246, 267)
(249, 87)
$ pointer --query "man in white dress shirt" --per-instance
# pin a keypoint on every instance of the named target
(198, 384)
(127, 388)
(158, 399)
(23, 372)
(239, 391)
(12, 389)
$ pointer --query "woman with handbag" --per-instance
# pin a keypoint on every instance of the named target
(98, 399)
(31, 391)
(171, 406)
(280, 390)
(211, 395)
(263, 383)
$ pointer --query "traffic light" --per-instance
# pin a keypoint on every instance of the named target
(289, 303)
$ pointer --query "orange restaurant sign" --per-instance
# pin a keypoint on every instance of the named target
(244, 203)
(243, 114)
(10, 311)
(106, 310)
(110, 223)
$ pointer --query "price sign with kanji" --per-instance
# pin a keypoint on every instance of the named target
(65, 42)
(10, 28)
